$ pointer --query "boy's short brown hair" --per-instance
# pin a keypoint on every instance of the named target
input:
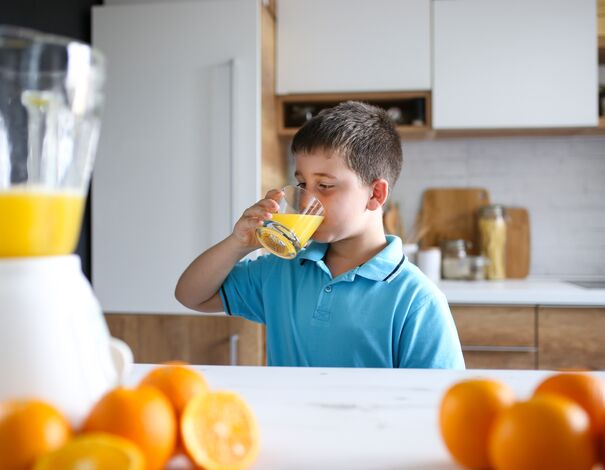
(363, 134)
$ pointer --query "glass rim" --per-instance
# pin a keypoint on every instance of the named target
(313, 207)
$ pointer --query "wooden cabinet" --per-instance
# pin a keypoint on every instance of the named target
(571, 338)
(327, 46)
(497, 337)
(531, 337)
(196, 339)
(514, 64)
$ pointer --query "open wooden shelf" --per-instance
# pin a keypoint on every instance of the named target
(413, 106)
(316, 102)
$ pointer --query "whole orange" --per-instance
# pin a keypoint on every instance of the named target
(28, 430)
(143, 415)
(547, 431)
(466, 415)
(179, 383)
(586, 390)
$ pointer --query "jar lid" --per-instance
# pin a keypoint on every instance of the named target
(479, 261)
(457, 244)
(492, 210)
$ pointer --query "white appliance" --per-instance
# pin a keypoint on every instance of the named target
(54, 343)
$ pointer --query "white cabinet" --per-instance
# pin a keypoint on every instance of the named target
(514, 63)
(351, 46)
(179, 155)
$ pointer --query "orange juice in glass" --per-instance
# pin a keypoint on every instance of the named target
(289, 230)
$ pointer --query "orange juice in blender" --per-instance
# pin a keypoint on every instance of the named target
(39, 222)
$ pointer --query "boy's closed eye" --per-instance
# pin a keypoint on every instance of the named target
(322, 186)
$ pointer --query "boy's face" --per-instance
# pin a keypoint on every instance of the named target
(340, 190)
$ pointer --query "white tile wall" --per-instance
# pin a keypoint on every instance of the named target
(560, 180)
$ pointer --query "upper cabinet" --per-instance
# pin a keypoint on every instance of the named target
(343, 46)
(514, 64)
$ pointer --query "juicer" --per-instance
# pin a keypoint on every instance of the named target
(54, 342)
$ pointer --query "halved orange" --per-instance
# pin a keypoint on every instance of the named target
(219, 431)
(95, 451)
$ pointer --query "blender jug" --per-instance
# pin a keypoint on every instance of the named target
(50, 103)
(54, 342)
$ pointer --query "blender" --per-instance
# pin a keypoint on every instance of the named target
(54, 342)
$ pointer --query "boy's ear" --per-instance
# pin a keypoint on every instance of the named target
(380, 192)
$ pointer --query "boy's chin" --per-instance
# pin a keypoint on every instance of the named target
(320, 238)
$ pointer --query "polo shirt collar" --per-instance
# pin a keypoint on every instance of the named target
(314, 251)
(386, 264)
(382, 267)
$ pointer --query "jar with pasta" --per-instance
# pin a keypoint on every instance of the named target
(492, 236)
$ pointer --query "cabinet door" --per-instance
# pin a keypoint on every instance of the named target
(494, 337)
(178, 157)
(195, 339)
(344, 46)
(571, 338)
(514, 64)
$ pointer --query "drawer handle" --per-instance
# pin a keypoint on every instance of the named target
(233, 346)
(519, 349)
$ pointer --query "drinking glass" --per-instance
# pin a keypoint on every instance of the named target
(289, 230)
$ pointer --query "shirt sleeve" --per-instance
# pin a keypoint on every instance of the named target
(430, 339)
(241, 293)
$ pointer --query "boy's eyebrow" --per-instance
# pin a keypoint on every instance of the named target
(327, 175)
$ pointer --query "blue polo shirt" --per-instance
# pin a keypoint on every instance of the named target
(384, 313)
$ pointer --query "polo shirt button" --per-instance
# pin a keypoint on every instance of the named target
(328, 289)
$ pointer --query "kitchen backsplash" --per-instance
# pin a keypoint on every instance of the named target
(560, 180)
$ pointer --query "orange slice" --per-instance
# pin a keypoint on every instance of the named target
(95, 451)
(219, 431)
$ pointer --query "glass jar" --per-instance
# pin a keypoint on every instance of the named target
(455, 262)
(492, 236)
(477, 267)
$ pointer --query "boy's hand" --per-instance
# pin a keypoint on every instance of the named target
(253, 217)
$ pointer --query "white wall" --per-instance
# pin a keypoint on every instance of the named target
(560, 180)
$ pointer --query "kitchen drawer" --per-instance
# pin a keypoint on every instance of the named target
(500, 360)
(495, 326)
(195, 339)
(497, 337)
(571, 338)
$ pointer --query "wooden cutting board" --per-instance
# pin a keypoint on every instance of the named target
(518, 246)
(451, 213)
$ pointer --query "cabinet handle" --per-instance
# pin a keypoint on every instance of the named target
(519, 349)
(233, 344)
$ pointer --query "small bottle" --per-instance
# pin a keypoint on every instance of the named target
(492, 236)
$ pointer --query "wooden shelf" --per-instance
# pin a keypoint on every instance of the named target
(537, 132)
(406, 102)
(426, 132)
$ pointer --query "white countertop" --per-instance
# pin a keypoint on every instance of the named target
(521, 292)
(348, 418)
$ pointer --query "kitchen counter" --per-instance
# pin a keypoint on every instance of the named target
(349, 418)
(521, 292)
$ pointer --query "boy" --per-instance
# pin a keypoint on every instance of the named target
(350, 298)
